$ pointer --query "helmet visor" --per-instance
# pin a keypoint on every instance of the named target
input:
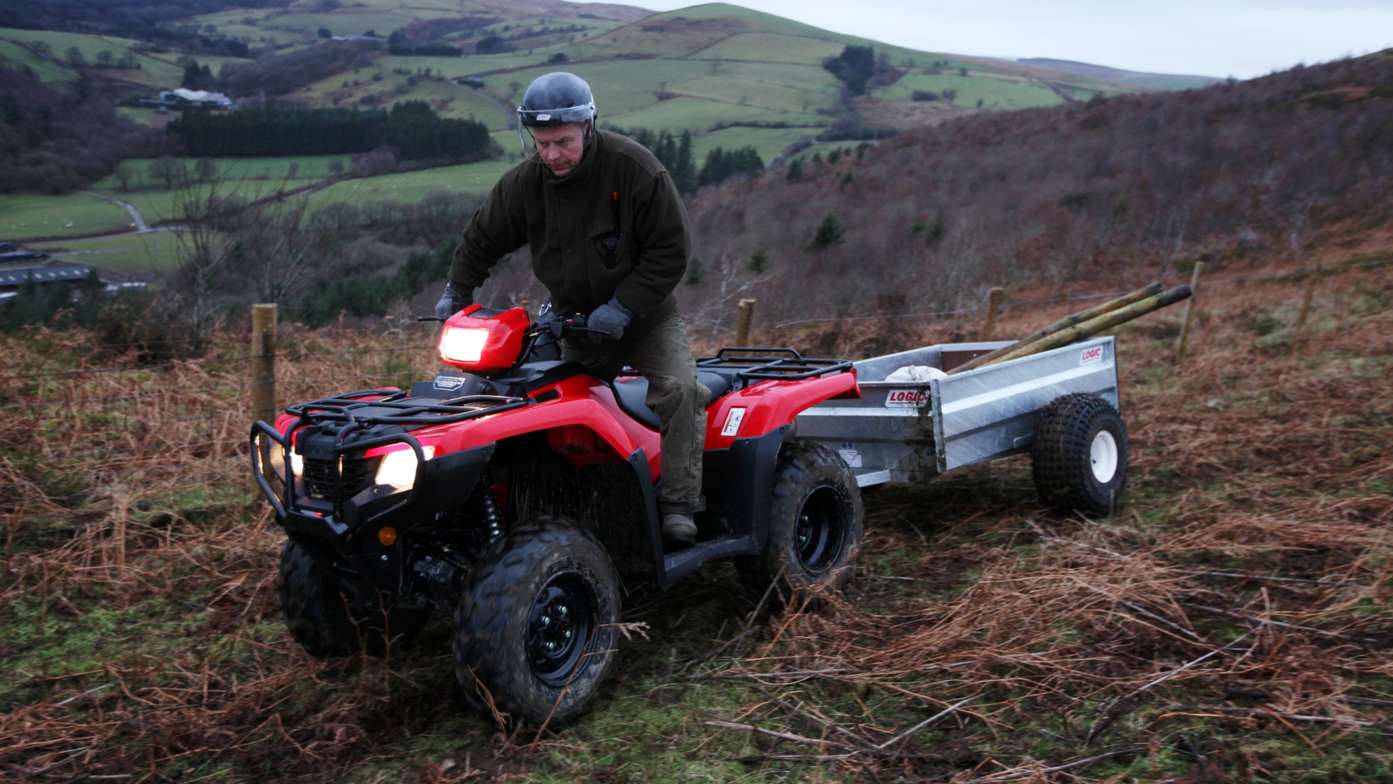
(543, 118)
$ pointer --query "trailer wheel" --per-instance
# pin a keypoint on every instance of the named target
(317, 613)
(1079, 458)
(535, 627)
(816, 522)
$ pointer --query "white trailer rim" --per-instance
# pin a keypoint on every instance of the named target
(1102, 454)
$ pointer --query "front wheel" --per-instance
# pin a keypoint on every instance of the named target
(317, 612)
(535, 629)
(816, 522)
(1079, 458)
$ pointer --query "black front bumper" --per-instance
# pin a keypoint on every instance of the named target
(441, 486)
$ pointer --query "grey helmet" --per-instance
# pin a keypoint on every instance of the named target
(556, 98)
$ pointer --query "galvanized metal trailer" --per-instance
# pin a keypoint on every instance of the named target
(905, 431)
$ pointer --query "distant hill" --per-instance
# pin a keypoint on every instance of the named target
(1100, 193)
(1138, 79)
(733, 76)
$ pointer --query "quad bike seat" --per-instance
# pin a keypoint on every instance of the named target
(629, 393)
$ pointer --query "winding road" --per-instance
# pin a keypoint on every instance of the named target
(140, 226)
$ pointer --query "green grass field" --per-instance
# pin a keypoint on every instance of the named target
(26, 215)
(410, 187)
(130, 254)
(12, 55)
(772, 47)
(445, 97)
(153, 72)
(691, 113)
(994, 93)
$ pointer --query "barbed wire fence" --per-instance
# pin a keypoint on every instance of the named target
(45, 404)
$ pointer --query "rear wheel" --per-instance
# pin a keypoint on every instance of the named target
(1079, 458)
(816, 522)
(317, 611)
(535, 628)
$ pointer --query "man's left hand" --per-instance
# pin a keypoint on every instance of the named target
(609, 321)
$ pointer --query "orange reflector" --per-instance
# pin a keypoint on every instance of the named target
(387, 535)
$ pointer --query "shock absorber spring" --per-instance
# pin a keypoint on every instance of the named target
(488, 509)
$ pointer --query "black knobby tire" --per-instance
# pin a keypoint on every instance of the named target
(816, 523)
(1079, 458)
(317, 612)
(536, 626)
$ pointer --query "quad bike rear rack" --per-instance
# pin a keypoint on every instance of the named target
(761, 363)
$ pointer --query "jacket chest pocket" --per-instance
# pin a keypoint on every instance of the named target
(610, 247)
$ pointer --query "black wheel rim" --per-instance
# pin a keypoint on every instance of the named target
(559, 628)
(821, 531)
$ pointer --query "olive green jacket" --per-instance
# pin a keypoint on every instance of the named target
(613, 227)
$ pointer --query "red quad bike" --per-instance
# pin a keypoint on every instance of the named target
(515, 493)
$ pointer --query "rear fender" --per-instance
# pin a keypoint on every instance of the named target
(763, 408)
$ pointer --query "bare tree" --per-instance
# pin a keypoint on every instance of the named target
(168, 170)
(279, 247)
(203, 254)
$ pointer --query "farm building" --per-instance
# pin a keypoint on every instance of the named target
(191, 99)
(12, 278)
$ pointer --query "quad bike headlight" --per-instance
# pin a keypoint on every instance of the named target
(275, 458)
(398, 469)
(463, 344)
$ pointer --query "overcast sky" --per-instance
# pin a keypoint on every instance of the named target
(1242, 38)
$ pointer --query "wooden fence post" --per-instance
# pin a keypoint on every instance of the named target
(263, 353)
(742, 321)
(994, 298)
(1306, 296)
(1180, 342)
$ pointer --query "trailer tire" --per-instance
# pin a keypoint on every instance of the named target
(816, 523)
(535, 629)
(1079, 458)
(316, 612)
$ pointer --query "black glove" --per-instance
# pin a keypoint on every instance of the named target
(452, 301)
(549, 320)
(609, 321)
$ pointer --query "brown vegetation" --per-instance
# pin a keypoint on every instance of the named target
(1111, 191)
(1232, 621)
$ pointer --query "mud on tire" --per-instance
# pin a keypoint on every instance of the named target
(536, 625)
(1079, 458)
(317, 614)
(816, 522)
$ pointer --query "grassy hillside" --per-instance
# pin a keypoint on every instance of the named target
(1231, 622)
(926, 220)
(732, 76)
(714, 63)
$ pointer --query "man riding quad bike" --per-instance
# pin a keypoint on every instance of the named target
(514, 495)
(608, 237)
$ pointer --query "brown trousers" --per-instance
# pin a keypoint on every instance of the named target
(661, 355)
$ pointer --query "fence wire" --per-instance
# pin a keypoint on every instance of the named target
(404, 349)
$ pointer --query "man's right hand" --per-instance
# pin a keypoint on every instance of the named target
(549, 320)
(451, 302)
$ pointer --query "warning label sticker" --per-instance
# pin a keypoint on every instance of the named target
(733, 419)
